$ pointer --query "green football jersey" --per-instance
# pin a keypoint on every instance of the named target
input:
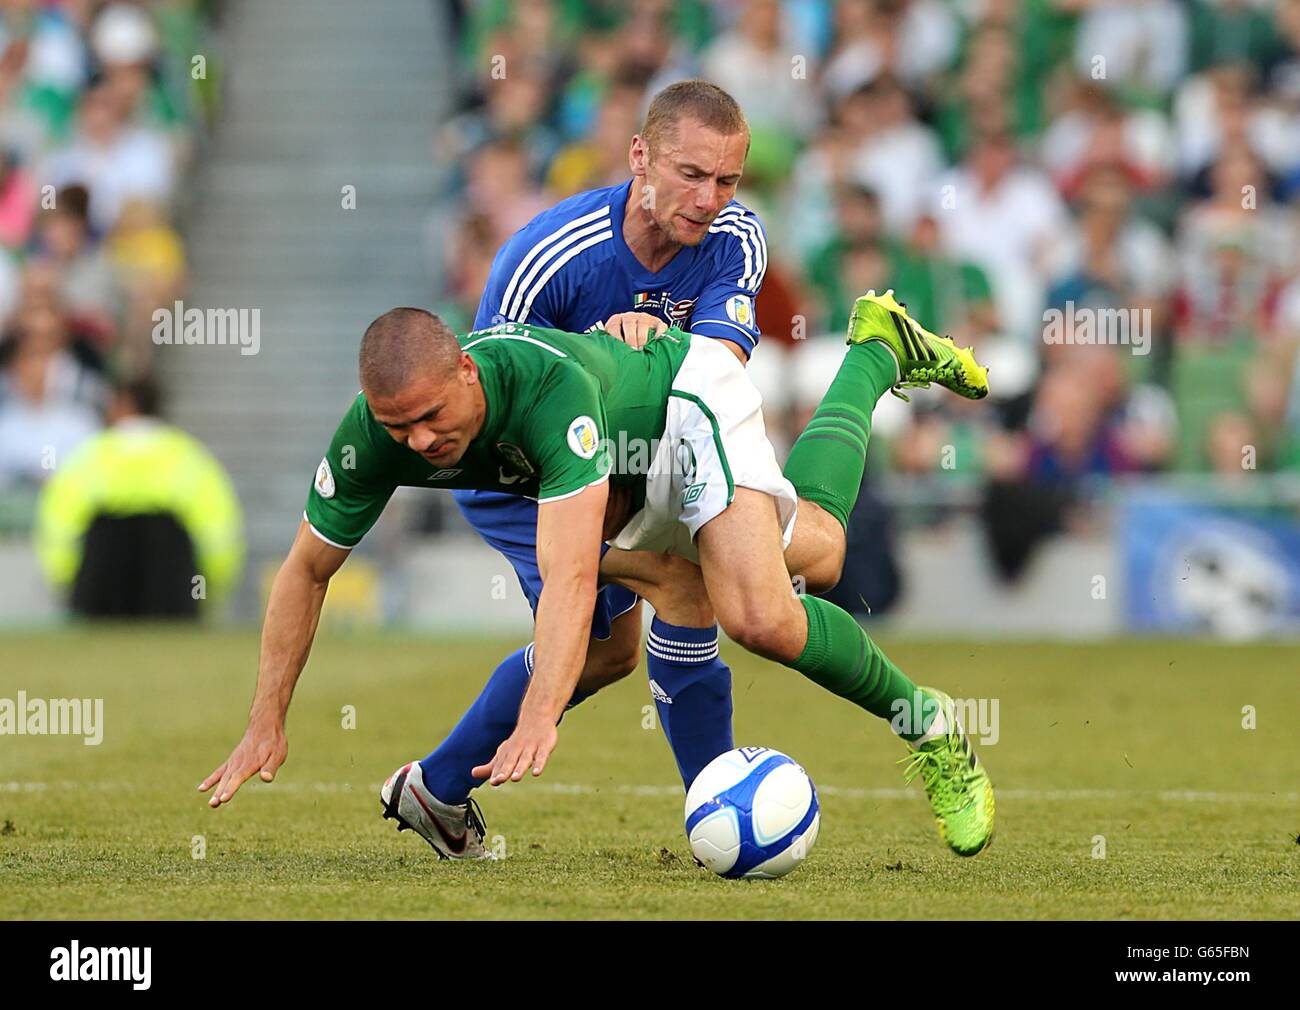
(562, 411)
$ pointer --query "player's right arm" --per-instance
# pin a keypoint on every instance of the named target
(292, 614)
(353, 484)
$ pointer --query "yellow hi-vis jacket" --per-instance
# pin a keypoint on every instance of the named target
(140, 466)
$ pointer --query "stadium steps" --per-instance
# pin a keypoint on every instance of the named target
(319, 94)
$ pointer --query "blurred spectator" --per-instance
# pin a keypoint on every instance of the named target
(857, 223)
(146, 251)
(1234, 251)
(1006, 217)
(1220, 111)
(89, 288)
(114, 160)
(17, 202)
(897, 156)
(1284, 74)
(754, 63)
(1095, 132)
(984, 94)
(1139, 45)
(124, 41)
(501, 188)
(862, 265)
(953, 296)
(42, 69)
(601, 159)
(809, 213)
(142, 521)
(475, 243)
(515, 111)
(149, 261)
(1231, 31)
(1111, 258)
(911, 39)
(49, 402)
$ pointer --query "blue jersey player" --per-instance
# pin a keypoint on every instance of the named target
(669, 246)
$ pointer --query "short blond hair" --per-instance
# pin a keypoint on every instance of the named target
(700, 100)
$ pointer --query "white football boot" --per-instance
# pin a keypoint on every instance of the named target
(455, 832)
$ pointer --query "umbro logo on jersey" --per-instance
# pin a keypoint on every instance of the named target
(443, 474)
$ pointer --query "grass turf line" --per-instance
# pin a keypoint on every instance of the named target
(1095, 740)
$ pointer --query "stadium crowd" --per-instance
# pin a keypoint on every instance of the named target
(1100, 196)
(100, 112)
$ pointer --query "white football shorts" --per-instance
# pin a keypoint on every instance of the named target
(714, 441)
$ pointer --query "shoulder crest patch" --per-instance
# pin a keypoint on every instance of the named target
(325, 479)
(583, 438)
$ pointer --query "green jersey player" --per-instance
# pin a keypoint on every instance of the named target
(658, 450)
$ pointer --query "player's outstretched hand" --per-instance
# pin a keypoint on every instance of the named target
(634, 328)
(529, 746)
(263, 749)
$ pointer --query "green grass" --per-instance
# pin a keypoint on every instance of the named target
(1095, 740)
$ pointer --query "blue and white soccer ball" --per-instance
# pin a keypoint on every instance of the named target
(752, 812)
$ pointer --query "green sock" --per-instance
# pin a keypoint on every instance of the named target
(827, 460)
(842, 658)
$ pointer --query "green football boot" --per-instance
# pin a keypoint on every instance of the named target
(922, 357)
(959, 789)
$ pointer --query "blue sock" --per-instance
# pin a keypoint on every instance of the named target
(482, 729)
(691, 687)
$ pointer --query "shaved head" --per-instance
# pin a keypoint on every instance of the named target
(403, 346)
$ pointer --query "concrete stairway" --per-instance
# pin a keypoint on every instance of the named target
(321, 94)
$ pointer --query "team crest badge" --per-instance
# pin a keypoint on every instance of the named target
(680, 310)
(582, 437)
(325, 479)
(516, 459)
(740, 310)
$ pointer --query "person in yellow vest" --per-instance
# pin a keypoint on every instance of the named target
(142, 520)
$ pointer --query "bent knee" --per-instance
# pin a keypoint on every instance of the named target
(610, 665)
(766, 629)
(609, 661)
(823, 576)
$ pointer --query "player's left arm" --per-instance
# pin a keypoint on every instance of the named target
(725, 310)
(568, 554)
(563, 426)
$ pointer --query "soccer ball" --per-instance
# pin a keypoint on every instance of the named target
(752, 812)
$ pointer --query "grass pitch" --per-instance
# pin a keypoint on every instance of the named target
(1139, 742)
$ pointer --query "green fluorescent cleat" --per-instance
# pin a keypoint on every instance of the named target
(959, 789)
(922, 357)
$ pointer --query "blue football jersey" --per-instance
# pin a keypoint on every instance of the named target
(570, 269)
